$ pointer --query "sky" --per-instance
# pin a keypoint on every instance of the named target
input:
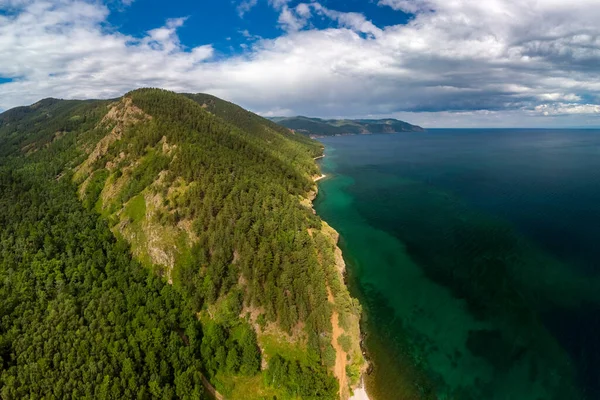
(436, 63)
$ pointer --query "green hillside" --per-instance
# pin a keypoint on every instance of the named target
(332, 127)
(250, 122)
(157, 238)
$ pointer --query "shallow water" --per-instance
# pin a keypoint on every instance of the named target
(474, 255)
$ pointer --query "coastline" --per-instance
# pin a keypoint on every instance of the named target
(358, 392)
(420, 337)
(317, 136)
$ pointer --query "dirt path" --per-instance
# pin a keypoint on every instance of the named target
(211, 389)
(340, 356)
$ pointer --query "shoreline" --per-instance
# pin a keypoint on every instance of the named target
(359, 392)
(318, 136)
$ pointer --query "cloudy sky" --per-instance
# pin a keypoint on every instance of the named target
(438, 63)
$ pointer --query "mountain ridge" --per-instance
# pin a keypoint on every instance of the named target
(317, 127)
(211, 198)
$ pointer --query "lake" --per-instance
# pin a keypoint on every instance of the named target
(476, 257)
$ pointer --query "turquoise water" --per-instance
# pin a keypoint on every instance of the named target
(474, 254)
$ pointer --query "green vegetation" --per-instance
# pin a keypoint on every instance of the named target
(332, 127)
(80, 318)
(278, 344)
(136, 208)
(345, 342)
(144, 174)
(94, 187)
(29, 129)
(199, 190)
(274, 134)
(230, 351)
(300, 380)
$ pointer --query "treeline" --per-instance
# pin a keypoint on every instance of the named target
(300, 380)
(230, 351)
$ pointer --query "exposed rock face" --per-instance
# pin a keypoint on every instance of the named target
(120, 115)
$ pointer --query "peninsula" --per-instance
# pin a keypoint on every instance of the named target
(316, 127)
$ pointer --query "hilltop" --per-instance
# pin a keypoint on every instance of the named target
(167, 240)
(316, 127)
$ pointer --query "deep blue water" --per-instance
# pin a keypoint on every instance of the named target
(491, 235)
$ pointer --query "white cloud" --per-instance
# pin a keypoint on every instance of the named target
(559, 96)
(500, 61)
(249, 36)
(279, 3)
(244, 6)
(567, 108)
(290, 20)
(303, 10)
(352, 20)
(409, 6)
(278, 112)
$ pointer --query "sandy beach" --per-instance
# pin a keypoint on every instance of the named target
(360, 394)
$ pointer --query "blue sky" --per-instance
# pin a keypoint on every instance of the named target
(226, 24)
(437, 63)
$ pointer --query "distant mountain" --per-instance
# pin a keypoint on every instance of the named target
(331, 127)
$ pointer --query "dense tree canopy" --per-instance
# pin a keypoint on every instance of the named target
(81, 317)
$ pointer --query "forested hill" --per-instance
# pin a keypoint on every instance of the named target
(246, 120)
(152, 243)
(316, 127)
